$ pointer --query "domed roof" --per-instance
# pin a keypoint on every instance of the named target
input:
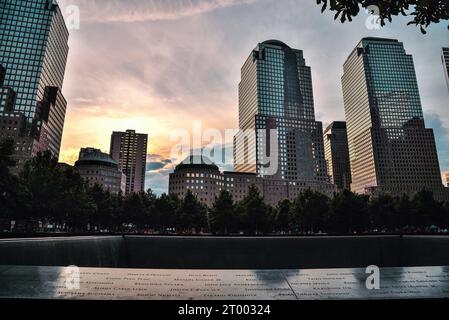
(276, 43)
(196, 161)
(98, 158)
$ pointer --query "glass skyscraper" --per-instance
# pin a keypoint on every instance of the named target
(33, 52)
(391, 151)
(445, 60)
(275, 92)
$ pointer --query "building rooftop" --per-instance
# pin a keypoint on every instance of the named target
(336, 125)
(379, 39)
(276, 43)
(196, 161)
(95, 156)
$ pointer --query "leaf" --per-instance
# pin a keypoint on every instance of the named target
(324, 6)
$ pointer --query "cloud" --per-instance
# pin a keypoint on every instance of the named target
(156, 162)
(157, 181)
(159, 167)
(163, 73)
(150, 10)
(157, 173)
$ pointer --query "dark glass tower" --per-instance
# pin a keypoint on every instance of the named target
(336, 152)
(33, 50)
(391, 151)
(275, 92)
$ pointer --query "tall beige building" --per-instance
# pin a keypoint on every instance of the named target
(129, 149)
(391, 150)
(445, 60)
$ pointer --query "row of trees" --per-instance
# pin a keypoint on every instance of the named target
(45, 193)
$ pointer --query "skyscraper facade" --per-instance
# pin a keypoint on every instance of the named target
(445, 60)
(275, 94)
(7, 94)
(129, 149)
(336, 152)
(391, 150)
(33, 52)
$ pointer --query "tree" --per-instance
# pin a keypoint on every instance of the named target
(75, 200)
(311, 209)
(223, 217)
(425, 12)
(9, 184)
(55, 195)
(383, 213)
(403, 209)
(254, 212)
(284, 220)
(192, 214)
(166, 209)
(348, 213)
(139, 209)
(426, 210)
(103, 217)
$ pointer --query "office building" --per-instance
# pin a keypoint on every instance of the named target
(99, 168)
(276, 96)
(205, 180)
(445, 60)
(33, 54)
(14, 126)
(129, 149)
(336, 152)
(391, 150)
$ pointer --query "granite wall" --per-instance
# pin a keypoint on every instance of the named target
(227, 252)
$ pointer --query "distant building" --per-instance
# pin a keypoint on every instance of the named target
(391, 150)
(205, 181)
(99, 168)
(129, 149)
(445, 60)
(336, 152)
(276, 94)
(14, 126)
(447, 179)
(33, 51)
(7, 99)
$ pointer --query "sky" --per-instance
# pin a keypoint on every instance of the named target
(157, 66)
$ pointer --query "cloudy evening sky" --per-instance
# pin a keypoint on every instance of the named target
(158, 65)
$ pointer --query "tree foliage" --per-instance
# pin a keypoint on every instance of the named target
(223, 216)
(424, 12)
(45, 197)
